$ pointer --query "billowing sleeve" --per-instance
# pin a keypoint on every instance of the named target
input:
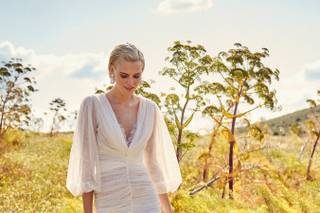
(160, 157)
(84, 170)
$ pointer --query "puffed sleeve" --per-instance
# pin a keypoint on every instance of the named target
(84, 169)
(160, 157)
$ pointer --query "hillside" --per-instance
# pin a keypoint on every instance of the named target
(285, 121)
(281, 125)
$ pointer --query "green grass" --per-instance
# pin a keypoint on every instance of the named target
(33, 173)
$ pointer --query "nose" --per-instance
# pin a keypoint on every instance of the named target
(132, 82)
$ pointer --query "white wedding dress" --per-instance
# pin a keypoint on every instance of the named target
(126, 174)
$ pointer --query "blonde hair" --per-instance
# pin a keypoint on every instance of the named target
(127, 52)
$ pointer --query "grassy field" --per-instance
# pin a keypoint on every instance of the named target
(33, 172)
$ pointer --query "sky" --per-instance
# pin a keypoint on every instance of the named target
(69, 42)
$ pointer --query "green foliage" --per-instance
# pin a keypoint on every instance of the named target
(142, 90)
(210, 110)
(312, 103)
(13, 137)
(255, 132)
(275, 204)
(195, 204)
(244, 74)
(16, 86)
(187, 63)
(296, 129)
(245, 80)
(288, 166)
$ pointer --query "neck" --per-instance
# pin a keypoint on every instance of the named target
(119, 96)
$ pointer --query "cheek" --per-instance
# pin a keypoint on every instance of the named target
(121, 80)
(138, 80)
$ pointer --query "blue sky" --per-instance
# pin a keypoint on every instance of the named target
(69, 41)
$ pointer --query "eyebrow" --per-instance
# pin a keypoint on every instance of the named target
(128, 74)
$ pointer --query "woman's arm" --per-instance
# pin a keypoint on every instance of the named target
(165, 203)
(87, 198)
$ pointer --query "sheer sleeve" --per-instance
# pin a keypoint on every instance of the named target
(84, 169)
(160, 157)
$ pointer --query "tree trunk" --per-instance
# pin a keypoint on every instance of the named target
(2, 114)
(309, 177)
(302, 149)
(224, 189)
(231, 169)
(53, 123)
(205, 171)
(179, 151)
(231, 146)
(206, 163)
(233, 124)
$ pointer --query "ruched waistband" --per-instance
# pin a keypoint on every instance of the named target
(111, 155)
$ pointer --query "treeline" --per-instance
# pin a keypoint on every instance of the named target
(16, 87)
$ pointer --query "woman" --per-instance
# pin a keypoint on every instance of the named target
(122, 152)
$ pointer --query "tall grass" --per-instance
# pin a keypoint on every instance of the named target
(33, 172)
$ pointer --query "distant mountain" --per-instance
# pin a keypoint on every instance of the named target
(280, 124)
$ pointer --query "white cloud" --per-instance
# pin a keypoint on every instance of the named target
(177, 6)
(8, 50)
(294, 89)
(70, 77)
(312, 71)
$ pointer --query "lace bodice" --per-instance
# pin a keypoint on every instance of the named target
(131, 134)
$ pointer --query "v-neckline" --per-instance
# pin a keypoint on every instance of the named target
(123, 135)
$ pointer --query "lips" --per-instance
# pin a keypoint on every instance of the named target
(129, 89)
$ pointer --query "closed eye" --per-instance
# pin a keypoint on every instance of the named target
(124, 75)
(137, 76)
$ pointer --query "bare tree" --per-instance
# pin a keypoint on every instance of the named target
(57, 106)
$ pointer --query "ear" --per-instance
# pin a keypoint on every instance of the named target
(111, 69)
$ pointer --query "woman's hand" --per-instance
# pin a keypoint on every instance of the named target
(87, 198)
(165, 203)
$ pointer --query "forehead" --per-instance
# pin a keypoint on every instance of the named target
(129, 66)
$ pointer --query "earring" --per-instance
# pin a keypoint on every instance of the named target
(112, 78)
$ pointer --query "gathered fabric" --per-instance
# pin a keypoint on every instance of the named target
(125, 174)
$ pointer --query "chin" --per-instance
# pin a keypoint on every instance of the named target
(129, 91)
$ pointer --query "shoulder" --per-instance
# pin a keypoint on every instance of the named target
(149, 103)
(89, 100)
(152, 108)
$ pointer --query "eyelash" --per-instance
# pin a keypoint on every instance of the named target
(125, 76)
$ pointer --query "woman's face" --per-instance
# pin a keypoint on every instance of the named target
(127, 75)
